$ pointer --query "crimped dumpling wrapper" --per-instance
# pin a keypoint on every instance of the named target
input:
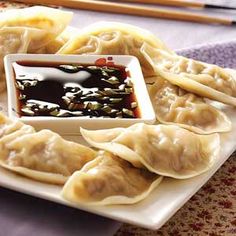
(166, 150)
(28, 30)
(52, 21)
(113, 38)
(109, 180)
(204, 79)
(56, 44)
(17, 40)
(174, 105)
(43, 155)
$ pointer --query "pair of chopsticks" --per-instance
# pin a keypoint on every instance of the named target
(180, 3)
(128, 9)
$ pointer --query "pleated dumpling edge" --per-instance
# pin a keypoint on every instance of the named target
(113, 38)
(109, 180)
(203, 79)
(176, 106)
(167, 150)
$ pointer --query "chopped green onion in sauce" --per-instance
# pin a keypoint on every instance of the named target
(74, 90)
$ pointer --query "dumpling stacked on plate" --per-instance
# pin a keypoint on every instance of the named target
(128, 163)
(110, 180)
(130, 168)
(43, 155)
(31, 30)
(186, 144)
(140, 155)
(203, 79)
(113, 38)
(181, 84)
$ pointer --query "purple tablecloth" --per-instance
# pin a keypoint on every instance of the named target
(22, 215)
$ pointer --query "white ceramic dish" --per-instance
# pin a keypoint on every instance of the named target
(71, 125)
(150, 213)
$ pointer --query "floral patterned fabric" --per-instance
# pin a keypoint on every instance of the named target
(5, 5)
(11, 5)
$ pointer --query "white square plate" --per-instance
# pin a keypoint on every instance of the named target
(152, 212)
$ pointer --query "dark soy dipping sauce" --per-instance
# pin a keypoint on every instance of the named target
(67, 90)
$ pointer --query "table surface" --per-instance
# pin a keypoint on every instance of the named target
(210, 211)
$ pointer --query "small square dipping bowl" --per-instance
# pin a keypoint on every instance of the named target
(71, 125)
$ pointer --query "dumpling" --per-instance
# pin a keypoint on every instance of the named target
(43, 155)
(49, 20)
(28, 30)
(204, 79)
(16, 40)
(174, 105)
(51, 47)
(109, 180)
(54, 46)
(166, 150)
(113, 38)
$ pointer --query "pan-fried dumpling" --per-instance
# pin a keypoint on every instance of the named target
(204, 79)
(166, 150)
(113, 38)
(44, 155)
(174, 105)
(109, 180)
(49, 20)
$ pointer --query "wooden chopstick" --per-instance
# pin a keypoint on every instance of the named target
(180, 3)
(103, 6)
